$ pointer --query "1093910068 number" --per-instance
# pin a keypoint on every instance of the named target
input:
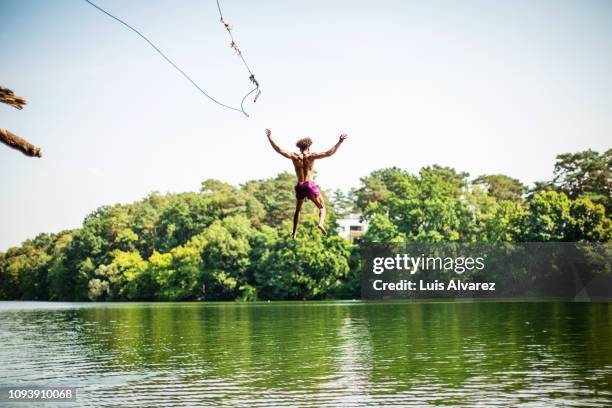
(38, 393)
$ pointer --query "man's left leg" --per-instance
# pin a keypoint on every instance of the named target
(296, 216)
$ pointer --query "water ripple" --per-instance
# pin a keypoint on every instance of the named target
(312, 354)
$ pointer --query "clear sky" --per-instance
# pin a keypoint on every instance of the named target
(482, 86)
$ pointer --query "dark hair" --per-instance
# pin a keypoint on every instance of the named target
(304, 143)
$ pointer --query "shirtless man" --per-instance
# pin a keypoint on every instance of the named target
(306, 187)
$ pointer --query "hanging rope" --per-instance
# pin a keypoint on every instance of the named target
(234, 46)
(241, 109)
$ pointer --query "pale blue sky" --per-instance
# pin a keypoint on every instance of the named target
(483, 86)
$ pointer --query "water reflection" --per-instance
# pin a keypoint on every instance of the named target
(313, 354)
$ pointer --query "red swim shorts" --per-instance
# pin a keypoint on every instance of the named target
(306, 189)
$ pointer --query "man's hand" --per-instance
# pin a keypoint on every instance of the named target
(343, 137)
(268, 132)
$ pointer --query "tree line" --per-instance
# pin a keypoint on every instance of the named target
(233, 242)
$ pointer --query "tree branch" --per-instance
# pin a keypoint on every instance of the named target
(7, 96)
(16, 142)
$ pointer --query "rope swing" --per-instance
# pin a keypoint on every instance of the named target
(200, 89)
(234, 46)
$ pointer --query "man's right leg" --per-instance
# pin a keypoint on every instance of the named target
(296, 216)
(321, 204)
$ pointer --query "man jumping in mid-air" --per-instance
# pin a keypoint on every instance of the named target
(306, 187)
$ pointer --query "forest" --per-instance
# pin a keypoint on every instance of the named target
(233, 242)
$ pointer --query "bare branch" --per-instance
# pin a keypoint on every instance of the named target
(7, 96)
(16, 142)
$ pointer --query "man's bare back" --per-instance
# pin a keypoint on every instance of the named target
(303, 163)
(304, 166)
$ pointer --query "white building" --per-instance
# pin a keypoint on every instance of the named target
(351, 227)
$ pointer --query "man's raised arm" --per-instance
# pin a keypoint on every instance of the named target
(332, 150)
(276, 147)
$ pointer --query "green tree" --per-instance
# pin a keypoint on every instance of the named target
(343, 204)
(589, 222)
(310, 267)
(501, 187)
(235, 240)
(430, 207)
(225, 257)
(24, 273)
(189, 214)
(585, 174)
(185, 282)
(381, 229)
(548, 218)
(495, 220)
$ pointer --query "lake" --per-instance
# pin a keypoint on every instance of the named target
(312, 353)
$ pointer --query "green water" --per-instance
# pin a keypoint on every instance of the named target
(312, 354)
